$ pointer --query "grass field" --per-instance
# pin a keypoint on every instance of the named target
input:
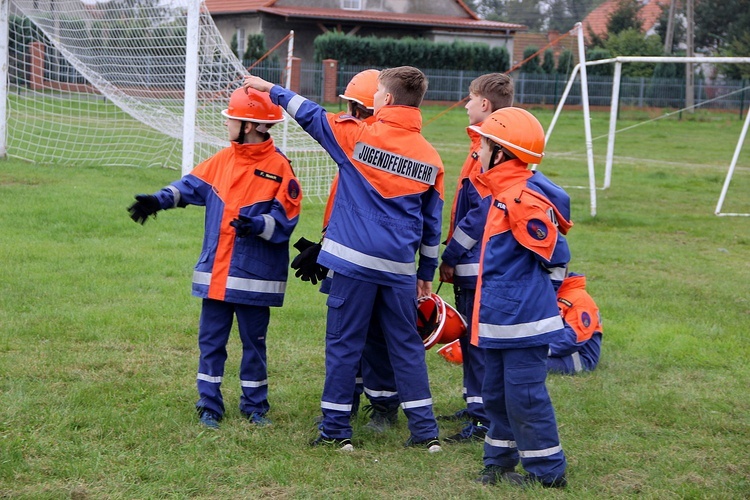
(98, 339)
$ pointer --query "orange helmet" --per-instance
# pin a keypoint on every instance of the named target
(516, 130)
(362, 87)
(452, 353)
(438, 322)
(249, 105)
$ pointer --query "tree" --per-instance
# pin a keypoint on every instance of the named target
(548, 62)
(625, 17)
(562, 15)
(720, 23)
(532, 65)
(631, 42)
(526, 12)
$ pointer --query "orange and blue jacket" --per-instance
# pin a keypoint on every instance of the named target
(462, 250)
(256, 181)
(580, 315)
(515, 303)
(389, 199)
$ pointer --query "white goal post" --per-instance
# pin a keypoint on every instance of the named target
(614, 106)
(137, 83)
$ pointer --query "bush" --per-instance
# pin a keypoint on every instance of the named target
(419, 52)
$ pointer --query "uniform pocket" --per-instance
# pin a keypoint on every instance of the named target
(335, 314)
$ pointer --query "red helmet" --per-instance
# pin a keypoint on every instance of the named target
(516, 130)
(362, 87)
(452, 353)
(250, 105)
(438, 322)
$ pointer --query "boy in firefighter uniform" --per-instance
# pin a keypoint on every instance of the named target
(386, 210)
(579, 347)
(515, 308)
(460, 259)
(376, 379)
(252, 199)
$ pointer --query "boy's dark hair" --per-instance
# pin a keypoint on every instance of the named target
(495, 87)
(357, 110)
(406, 84)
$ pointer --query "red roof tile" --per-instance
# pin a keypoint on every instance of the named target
(391, 18)
(235, 6)
(598, 18)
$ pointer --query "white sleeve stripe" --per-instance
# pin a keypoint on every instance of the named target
(463, 239)
(294, 105)
(268, 228)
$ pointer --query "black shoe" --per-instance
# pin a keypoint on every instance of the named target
(559, 482)
(343, 444)
(462, 414)
(472, 432)
(493, 474)
(430, 444)
(381, 417)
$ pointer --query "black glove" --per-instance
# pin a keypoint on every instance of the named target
(246, 226)
(306, 263)
(145, 205)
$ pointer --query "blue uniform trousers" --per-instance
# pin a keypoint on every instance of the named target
(473, 359)
(522, 420)
(377, 374)
(351, 304)
(213, 334)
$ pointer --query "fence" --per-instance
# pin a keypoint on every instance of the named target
(452, 85)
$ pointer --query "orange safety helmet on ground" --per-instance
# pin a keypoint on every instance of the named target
(362, 87)
(452, 353)
(250, 105)
(516, 130)
(438, 322)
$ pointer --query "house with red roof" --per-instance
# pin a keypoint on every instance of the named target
(596, 21)
(435, 20)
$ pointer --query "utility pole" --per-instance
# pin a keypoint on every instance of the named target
(669, 37)
(689, 73)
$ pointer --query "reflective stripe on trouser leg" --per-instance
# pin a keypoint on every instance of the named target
(377, 373)
(253, 326)
(349, 303)
(529, 409)
(213, 334)
(473, 360)
(397, 312)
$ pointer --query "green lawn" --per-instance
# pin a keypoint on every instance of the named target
(98, 348)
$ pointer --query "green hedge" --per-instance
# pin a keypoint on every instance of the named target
(390, 52)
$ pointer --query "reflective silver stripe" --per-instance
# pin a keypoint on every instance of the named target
(428, 251)
(380, 394)
(520, 330)
(330, 273)
(540, 453)
(268, 228)
(416, 404)
(176, 194)
(557, 273)
(463, 239)
(368, 261)
(244, 284)
(333, 406)
(253, 383)
(577, 366)
(358, 380)
(464, 390)
(475, 399)
(209, 378)
(499, 443)
(294, 105)
(467, 270)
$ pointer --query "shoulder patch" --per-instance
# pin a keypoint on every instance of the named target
(268, 175)
(293, 189)
(537, 229)
(346, 117)
(585, 319)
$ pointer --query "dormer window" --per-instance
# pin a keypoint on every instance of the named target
(351, 4)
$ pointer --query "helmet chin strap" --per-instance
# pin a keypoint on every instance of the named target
(241, 135)
(495, 150)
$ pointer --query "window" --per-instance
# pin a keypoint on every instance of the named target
(241, 42)
(351, 4)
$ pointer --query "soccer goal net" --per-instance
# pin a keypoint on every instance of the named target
(657, 101)
(93, 82)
